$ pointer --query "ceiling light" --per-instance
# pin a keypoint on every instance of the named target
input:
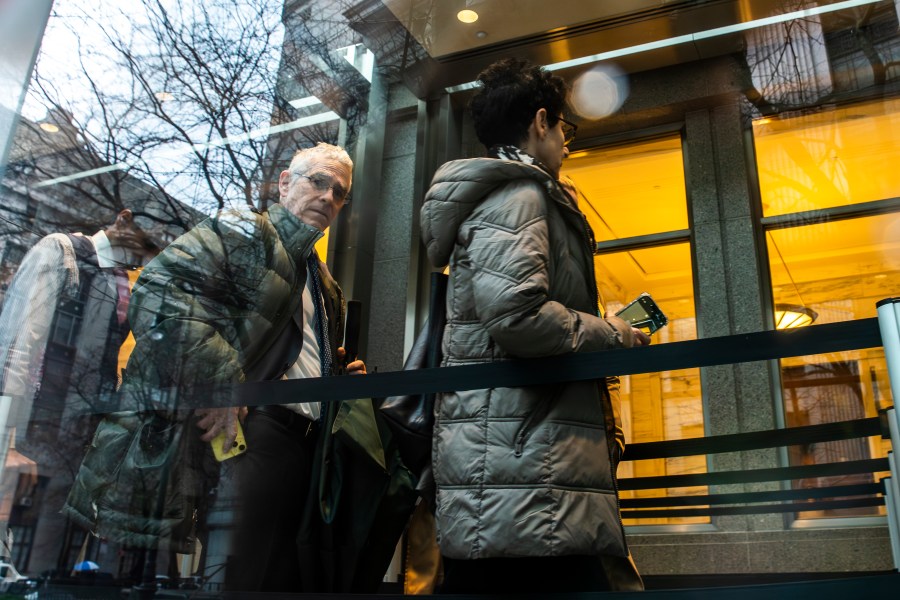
(467, 16)
(791, 316)
(49, 127)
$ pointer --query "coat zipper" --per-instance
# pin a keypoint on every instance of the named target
(613, 467)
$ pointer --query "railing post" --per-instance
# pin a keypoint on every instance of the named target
(892, 504)
(889, 324)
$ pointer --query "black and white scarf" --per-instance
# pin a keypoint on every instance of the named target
(509, 152)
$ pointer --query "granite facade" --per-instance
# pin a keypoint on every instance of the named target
(703, 100)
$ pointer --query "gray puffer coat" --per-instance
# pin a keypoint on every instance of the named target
(520, 471)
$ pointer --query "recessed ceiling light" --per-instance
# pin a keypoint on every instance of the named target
(481, 34)
(164, 96)
(467, 16)
(49, 127)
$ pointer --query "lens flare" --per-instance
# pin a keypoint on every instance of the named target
(600, 92)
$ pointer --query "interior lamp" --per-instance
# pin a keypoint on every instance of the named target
(791, 316)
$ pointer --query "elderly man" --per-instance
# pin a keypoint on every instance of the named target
(242, 297)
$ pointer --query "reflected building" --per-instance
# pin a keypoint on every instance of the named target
(65, 336)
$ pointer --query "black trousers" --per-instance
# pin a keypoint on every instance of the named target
(272, 481)
(528, 575)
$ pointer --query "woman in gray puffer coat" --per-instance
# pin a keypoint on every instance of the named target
(526, 492)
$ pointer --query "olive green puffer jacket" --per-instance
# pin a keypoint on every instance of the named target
(520, 471)
(205, 311)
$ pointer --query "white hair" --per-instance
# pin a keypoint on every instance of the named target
(302, 158)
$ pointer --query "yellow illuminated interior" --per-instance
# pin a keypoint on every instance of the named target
(322, 247)
(840, 269)
(629, 191)
(632, 190)
(832, 157)
(128, 345)
(837, 268)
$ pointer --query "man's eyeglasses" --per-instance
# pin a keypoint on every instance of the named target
(569, 130)
(323, 183)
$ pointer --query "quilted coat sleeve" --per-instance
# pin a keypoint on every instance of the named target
(193, 304)
(508, 248)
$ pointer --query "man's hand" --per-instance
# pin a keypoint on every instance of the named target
(216, 420)
(357, 367)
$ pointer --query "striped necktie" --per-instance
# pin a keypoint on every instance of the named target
(312, 268)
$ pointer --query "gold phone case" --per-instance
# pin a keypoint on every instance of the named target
(238, 448)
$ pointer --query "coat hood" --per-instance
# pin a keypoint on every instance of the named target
(458, 188)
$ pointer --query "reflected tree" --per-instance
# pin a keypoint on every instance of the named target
(808, 61)
(175, 109)
(195, 102)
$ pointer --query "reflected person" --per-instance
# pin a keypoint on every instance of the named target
(62, 327)
(526, 491)
(242, 297)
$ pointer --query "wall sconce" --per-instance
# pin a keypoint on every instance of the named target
(790, 316)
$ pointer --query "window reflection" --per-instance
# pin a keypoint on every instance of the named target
(828, 389)
(666, 405)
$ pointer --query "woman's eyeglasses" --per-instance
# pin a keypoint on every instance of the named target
(569, 130)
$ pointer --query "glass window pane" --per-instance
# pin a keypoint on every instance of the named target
(831, 157)
(631, 190)
(839, 269)
(666, 405)
(831, 272)
(664, 272)
(830, 388)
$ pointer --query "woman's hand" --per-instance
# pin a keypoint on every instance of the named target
(640, 338)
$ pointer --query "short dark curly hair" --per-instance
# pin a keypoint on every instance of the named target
(512, 91)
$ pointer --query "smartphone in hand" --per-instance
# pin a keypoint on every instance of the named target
(351, 331)
(238, 447)
(643, 313)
